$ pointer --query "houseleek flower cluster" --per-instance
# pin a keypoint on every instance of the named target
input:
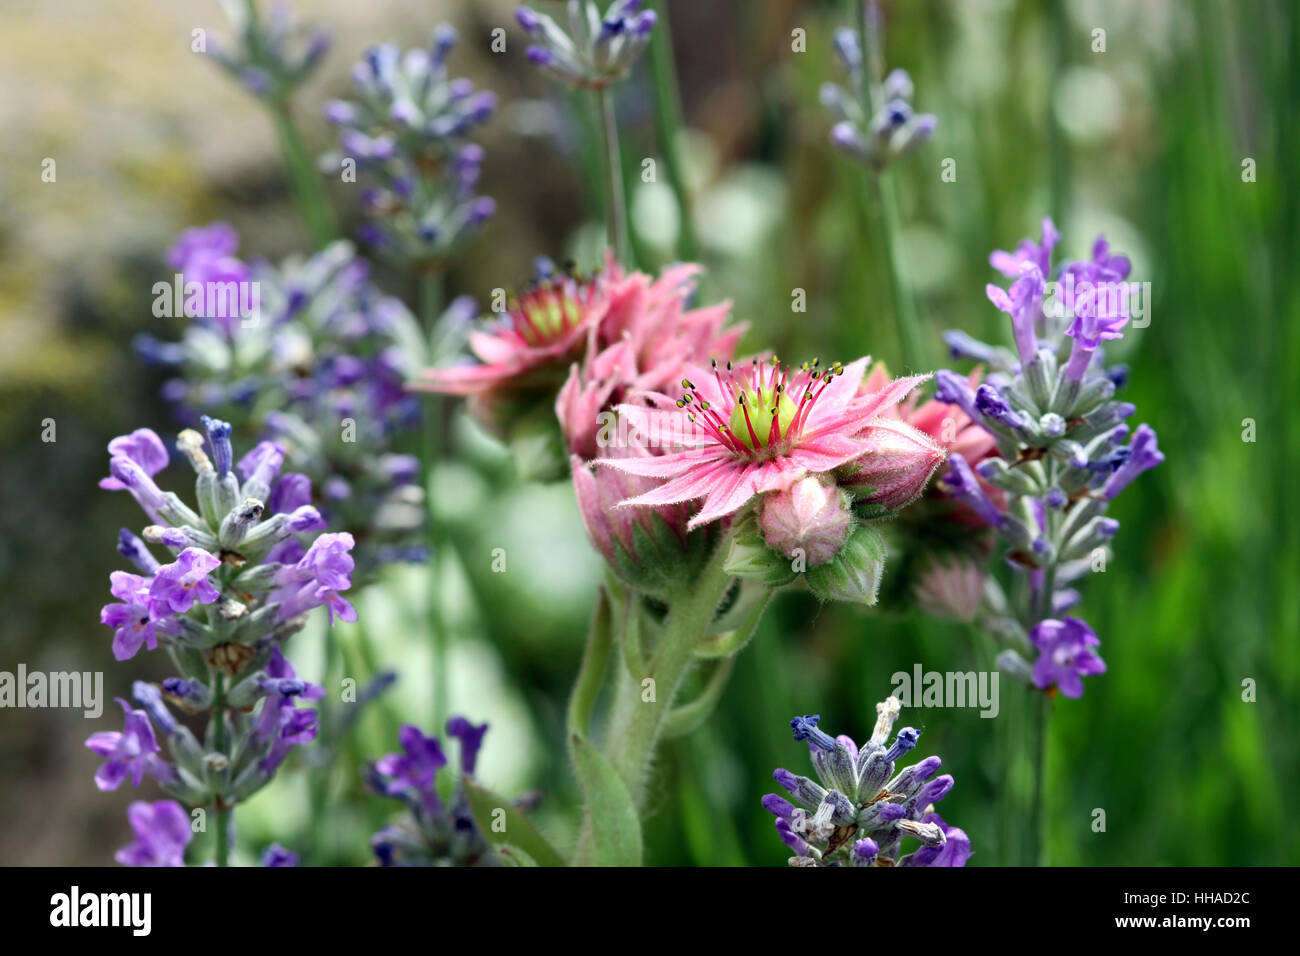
(597, 50)
(859, 810)
(431, 833)
(1064, 450)
(656, 417)
(246, 567)
(408, 130)
(270, 55)
(313, 356)
(881, 128)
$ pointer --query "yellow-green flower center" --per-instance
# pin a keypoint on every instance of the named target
(751, 418)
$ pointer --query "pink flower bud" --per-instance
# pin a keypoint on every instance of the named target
(898, 467)
(611, 528)
(809, 516)
(951, 589)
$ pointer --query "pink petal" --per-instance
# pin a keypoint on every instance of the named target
(888, 397)
(666, 466)
(734, 488)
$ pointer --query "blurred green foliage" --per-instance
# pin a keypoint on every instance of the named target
(1145, 141)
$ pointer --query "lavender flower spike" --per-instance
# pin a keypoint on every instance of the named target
(863, 810)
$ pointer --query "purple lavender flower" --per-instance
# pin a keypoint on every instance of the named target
(1023, 302)
(955, 851)
(132, 620)
(177, 586)
(317, 578)
(880, 128)
(1038, 254)
(430, 834)
(131, 753)
(995, 408)
(593, 59)
(277, 855)
(162, 831)
(291, 491)
(1058, 431)
(1065, 655)
(270, 54)
(205, 257)
(259, 601)
(262, 465)
(281, 724)
(471, 740)
(962, 484)
(129, 475)
(133, 549)
(1142, 455)
(142, 446)
(411, 774)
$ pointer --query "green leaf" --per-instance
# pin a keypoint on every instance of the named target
(750, 558)
(615, 828)
(730, 643)
(854, 573)
(591, 674)
(685, 718)
(518, 831)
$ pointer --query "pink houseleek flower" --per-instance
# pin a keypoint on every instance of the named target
(758, 429)
(644, 343)
(899, 466)
(543, 330)
(610, 528)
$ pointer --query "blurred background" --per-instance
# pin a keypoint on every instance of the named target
(1144, 141)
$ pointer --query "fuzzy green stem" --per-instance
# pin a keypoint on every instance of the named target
(222, 814)
(668, 120)
(304, 180)
(636, 728)
(615, 208)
